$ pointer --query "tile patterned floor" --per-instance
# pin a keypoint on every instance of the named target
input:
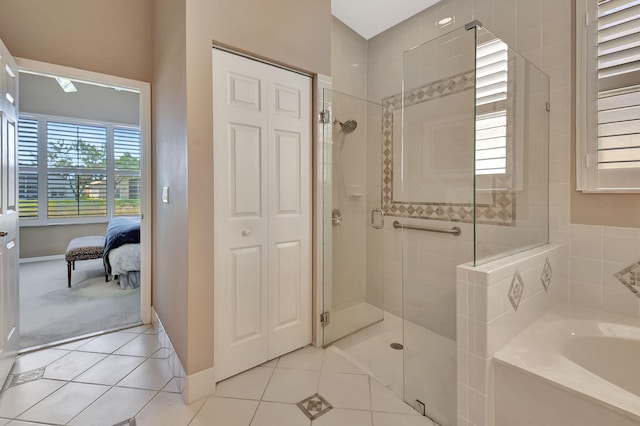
(115, 378)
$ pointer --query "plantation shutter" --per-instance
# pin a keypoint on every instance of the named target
(491, 87)
(28, 168)
(618, 60)
(127, 153)
(77, 175)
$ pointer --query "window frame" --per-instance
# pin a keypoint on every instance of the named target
(43, 170)
(589, 179)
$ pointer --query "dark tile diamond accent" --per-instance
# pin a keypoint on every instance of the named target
(314, 406)
(22, 378)
(546, 275)
(630, 278)
(516, 290)
(129, 422)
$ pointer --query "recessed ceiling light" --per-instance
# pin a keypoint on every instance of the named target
(445, 21)
(66, 84)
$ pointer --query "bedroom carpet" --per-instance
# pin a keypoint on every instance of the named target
(49, 311)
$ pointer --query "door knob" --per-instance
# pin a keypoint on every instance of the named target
(246, 232)
(3, 233)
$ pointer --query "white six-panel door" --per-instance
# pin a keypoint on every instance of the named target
(9, 300)
(262, 212)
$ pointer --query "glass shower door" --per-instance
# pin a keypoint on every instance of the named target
(353, 220)
(433, 190)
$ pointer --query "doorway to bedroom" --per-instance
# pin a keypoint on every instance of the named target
(83, 187)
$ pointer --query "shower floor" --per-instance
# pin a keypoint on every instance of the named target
(350, 320)
(429, 358)
(370, 349)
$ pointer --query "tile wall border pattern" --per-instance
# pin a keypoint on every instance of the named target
(502, 209)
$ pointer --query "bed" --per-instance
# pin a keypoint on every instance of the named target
(122, 251)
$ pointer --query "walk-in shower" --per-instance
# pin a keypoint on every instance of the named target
(449, 166)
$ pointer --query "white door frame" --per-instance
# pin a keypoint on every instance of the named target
(144, 89)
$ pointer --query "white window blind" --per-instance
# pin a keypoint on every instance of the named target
(608, 95)
(618, 58)
(491, 143)
(126, 148)
(28, 168)
(76, 171)
(492, 69)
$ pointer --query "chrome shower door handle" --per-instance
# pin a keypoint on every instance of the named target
(373, 219)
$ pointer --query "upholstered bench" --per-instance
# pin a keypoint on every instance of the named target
(83, 248)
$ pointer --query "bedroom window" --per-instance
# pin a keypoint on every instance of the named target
(608, 95)
(75, 171)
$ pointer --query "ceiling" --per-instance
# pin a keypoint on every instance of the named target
(371, 17)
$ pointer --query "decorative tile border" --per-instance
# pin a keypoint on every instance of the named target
(502, 209)
(24, 377)
(314, 406)
(630, 278)
(545, 278)
(515, 290)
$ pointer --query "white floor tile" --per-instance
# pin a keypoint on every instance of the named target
(64, 404)
(75, 345)
(276, 414)
(143, 345)
(383, 399)
(107, 343)
(152, 374)
(335, 363)
(273, 363)
(342, 417)
(307, 358)
(168, 409)
(18, 399)
(250, 384)
(72, 365)
(172, 386)
(21, 423)
(390, 419)
(225, 412)
(287, 385)
(139, 329)
(345, 390)
(37, 359)
(116, 405)
(110, 370)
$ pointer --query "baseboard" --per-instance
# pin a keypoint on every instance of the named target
(193, 387)
(199, 385)
(41, 258)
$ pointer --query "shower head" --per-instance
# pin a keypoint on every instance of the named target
(348, 126)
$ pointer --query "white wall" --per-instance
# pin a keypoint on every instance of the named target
(597, 253)
(349, 168)
(43, 95)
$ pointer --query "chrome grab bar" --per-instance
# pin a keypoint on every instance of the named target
(453, 231)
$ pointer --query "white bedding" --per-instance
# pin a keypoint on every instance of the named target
(125, 259)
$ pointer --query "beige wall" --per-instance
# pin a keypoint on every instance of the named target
(36, 241)
(292, 32)
(84, 34)
(111, 37)
(170, 277)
